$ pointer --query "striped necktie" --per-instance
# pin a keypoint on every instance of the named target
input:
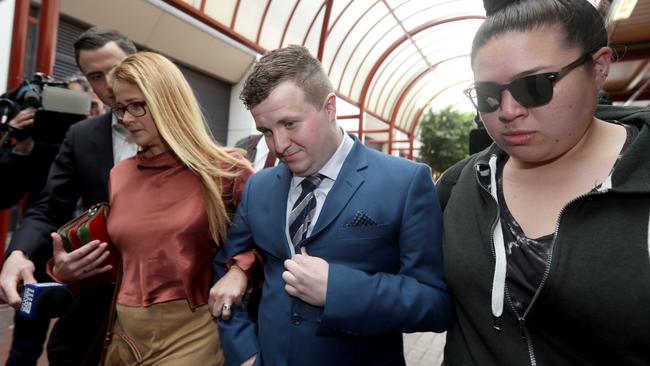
(303, 210)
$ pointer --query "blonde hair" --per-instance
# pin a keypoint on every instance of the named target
(182, 126)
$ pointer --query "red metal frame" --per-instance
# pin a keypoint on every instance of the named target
(386, 65)
(418, 116)
(234, 15)
(362, 119)
(410, 106)
(638, 92)
(383, 130)
(370, 49)
(340, 15)
(323, 32)
(389, 142)
(286, 26)
(413, 81)
(348, 116)
(313, 20)
(326, 30)
(18, 44)
(391, 48)
(16, 71)
(362, 110)
(380, 100)
(354, 50)
(347, 34)
(357, 46)
(259, 29)
(376, 86)
(625, 53)
(406, 32)
(47, 35)
(388, 83)
(202, 17)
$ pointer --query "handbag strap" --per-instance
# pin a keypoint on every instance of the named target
(112, 315)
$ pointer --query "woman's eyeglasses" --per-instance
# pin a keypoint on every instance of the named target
(529, 91)
(136, 109)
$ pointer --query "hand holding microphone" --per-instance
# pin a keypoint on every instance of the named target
(45, 300)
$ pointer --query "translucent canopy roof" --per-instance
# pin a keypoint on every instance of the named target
(389, 58)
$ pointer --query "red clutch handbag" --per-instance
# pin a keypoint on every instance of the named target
(89, 226)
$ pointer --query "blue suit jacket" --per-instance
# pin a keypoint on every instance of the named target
(384, 279)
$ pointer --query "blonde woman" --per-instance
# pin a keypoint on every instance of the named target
(170, 209)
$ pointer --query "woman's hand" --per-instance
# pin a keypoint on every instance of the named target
(228, 292)
(81, 263)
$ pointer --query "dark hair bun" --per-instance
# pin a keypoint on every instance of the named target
(492, 6)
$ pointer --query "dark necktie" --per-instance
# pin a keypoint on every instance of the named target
(303, 210)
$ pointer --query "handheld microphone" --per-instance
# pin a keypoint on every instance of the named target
(45, 300)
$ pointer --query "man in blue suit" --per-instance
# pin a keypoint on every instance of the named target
(351, 236)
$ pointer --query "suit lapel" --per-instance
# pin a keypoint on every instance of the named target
(279, 205)
(102, 139)
(347, 183)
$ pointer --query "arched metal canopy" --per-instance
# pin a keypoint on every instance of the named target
(388, 58)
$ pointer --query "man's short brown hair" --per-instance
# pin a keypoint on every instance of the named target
(292, 63)
(97, 37)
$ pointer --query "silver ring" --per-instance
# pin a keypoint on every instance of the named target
(227, 307)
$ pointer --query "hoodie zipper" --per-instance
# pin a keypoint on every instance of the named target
(547, 271)
(495, 324)
(522, 319)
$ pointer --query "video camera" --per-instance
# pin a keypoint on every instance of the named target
(57, 109)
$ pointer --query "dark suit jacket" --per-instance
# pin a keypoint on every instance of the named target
(24, 174)
(384, 278)
(249, 143)
(80, 169)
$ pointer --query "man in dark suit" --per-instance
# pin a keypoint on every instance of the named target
(257, 152)
(80, 170)
(351, 236)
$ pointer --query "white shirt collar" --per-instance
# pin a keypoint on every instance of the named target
(117, 126)
(332, 168)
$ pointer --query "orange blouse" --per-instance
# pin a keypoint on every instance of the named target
(159, 224)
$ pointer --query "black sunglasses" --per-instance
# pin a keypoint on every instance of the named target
(136, 109)
(529, 91)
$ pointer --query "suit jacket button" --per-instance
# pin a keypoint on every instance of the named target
(296, 319)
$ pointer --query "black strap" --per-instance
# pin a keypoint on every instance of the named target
(447, 181)
(111, 316)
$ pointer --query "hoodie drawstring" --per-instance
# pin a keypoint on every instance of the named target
(648, 237)
(499, 280)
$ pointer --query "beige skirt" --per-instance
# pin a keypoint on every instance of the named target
(164, 334)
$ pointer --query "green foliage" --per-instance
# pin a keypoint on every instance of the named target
(445, 137)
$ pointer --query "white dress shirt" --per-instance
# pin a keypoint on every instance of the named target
(331, 171)
(123, 145)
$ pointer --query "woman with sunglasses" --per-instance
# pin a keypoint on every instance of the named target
(170, 208)
(546, 231)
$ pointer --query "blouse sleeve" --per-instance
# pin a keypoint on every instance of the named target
(238, 185)
(251, 262)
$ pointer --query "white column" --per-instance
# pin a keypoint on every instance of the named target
(6, 29)
(240, 122)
